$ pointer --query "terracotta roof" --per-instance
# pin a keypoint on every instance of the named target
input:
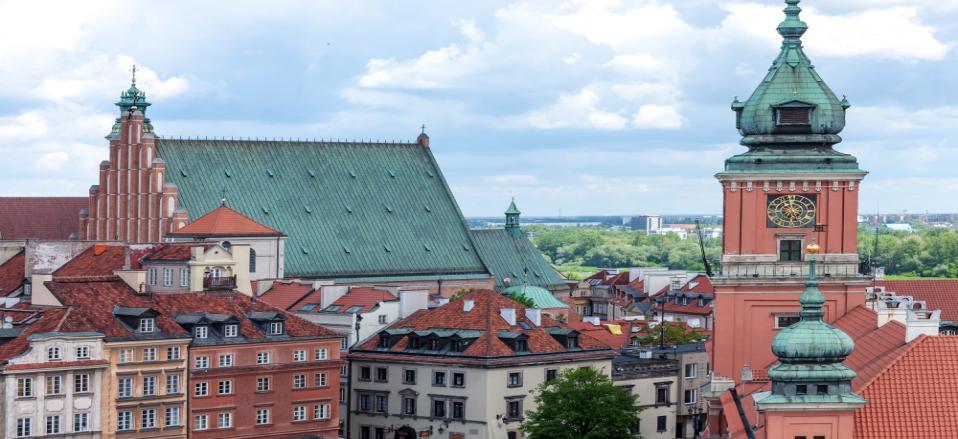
(485, 317)
(285, 294)
(12, 273)
(367, 298)
(915, 395)
(48, 321)
(224, 222)
(874, 349)
(702, 285)
(688, 309)
(938, 293)
(619, 279)
(859, 321)
(98, 260)
(174, 252)
(604, 333)
(40, 217)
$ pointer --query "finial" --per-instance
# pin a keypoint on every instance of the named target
(133, 72)
(223, 197)
(793, 27)
(423, 129)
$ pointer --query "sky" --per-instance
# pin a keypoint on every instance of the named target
(605, 107)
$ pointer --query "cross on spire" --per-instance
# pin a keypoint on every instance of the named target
(423, 128)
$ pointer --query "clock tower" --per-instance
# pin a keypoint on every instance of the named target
(790, 189)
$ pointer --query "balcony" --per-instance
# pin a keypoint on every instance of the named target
(219, 283)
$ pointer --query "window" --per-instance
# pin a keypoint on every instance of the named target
(790, 250)
(821, 389)
(226, 360)
(81, 422)
(522, 345)
(381, 403)
(364, 403)
(380, 433)
(661, 423)
(167, 277)
(458, 379)
(438, 378)
(801, 389)
(786, 320)
(409, 376)
(24, 427)
(201, 388)
(572, 343)
(793, 116)
(172, 416)
(343, 344)
(184, 277)
(321, 379)
(354, 309)
(173, 353)
(201, 422)
(439, 408)
(225, 420)
(82, 352)
(262, 358)
(382, 319)
(691, 370)
(53, 424)
(172, 384)
(262, 416)
(252, 261)
(126, 356)
(515, 379)
(225, 387)
(299, 355)
(149, 386)
(149, 354)
(342, 394)
(322, 354)
(202, 362)
(365, 373)
(276, 328)
(551, 374)
(54, 385)
(54, 354)
(514, 408)
(321, 411)
(299, 413)
(299, 381)
(124, 420)
(201, 331)
(364, 433)
(230, 330)
(125, 387)
(458, 410)
(409, 405)
(151, 276)
(215, 273)
(148, 418)
(24, 387)
(661, 393)
(262, 384)
(344, 371)
(691, 396)
(382, 374)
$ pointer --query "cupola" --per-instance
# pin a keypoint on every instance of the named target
(512, 220)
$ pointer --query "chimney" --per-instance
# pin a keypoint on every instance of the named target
(535, 315)
(423, 138)
(746, 373)
(922, 322)
(39, 294)
(412, 301)
(467, 305)
(509, 315)
(330, 293)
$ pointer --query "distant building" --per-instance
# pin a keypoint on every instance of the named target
(48, 218)
(646, 223)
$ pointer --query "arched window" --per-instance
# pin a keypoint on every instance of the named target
(252, 261)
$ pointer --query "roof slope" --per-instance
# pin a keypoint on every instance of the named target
(96, 261)
(284, 295)
(915, 396)
(365, 298)
(12, 273)
(40, 217)
(938, 293)
(348, 208)
(514, 258)
(224, 221)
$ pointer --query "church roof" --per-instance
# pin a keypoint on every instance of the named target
(514, 258)
(349, 208)
(225, 222)
(541, 297)
(40, 217)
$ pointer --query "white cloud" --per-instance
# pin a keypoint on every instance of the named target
(511, 179)
(28, 125)
(659, 117)
(578, 110)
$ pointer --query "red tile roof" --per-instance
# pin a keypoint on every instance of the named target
(285, 294)
(604, 334)
(938, 293)
(99, 260)
(40, 217)
(49, 320)
(915, 395)
(485, 316)
(367, 298)
(620, 279)
(174, 252)
(225, 222)
(12, 273)
(672, 307)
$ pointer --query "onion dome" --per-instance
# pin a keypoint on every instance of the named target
(133, 97)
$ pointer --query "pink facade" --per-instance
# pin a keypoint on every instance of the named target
(823, 424)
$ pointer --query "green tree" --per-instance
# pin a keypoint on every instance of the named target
(675, 334)
(522, 299)
(581, 404)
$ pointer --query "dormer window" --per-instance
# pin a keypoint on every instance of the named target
(54, 353)
(276, 328)
(434, 345)
(572, 343)
(384, 341)
(230, 331)
(793, 116)
(522, 345)
(147, 325)
(201, 332)
(413, 342)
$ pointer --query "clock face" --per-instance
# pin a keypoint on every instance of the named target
(791, 211)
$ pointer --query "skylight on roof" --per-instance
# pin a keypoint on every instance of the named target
(308, 307)
(332, 308)
(354, 309)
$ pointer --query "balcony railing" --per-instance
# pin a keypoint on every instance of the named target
(219, 283)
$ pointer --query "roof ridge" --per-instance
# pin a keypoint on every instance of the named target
(908, 348)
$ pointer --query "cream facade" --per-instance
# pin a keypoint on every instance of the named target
(654, 382)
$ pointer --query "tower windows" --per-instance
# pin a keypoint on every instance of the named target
(790, 250)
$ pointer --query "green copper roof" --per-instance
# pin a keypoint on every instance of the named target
(791, 84)
(348, 209)
(541, 297)
(515, 258)
(513, 210)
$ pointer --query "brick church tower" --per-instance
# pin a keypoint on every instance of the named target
(132, 202)
(790, 189)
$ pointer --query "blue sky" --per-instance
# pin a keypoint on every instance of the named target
(591, 107)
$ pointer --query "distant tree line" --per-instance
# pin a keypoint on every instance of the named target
(930, 252)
